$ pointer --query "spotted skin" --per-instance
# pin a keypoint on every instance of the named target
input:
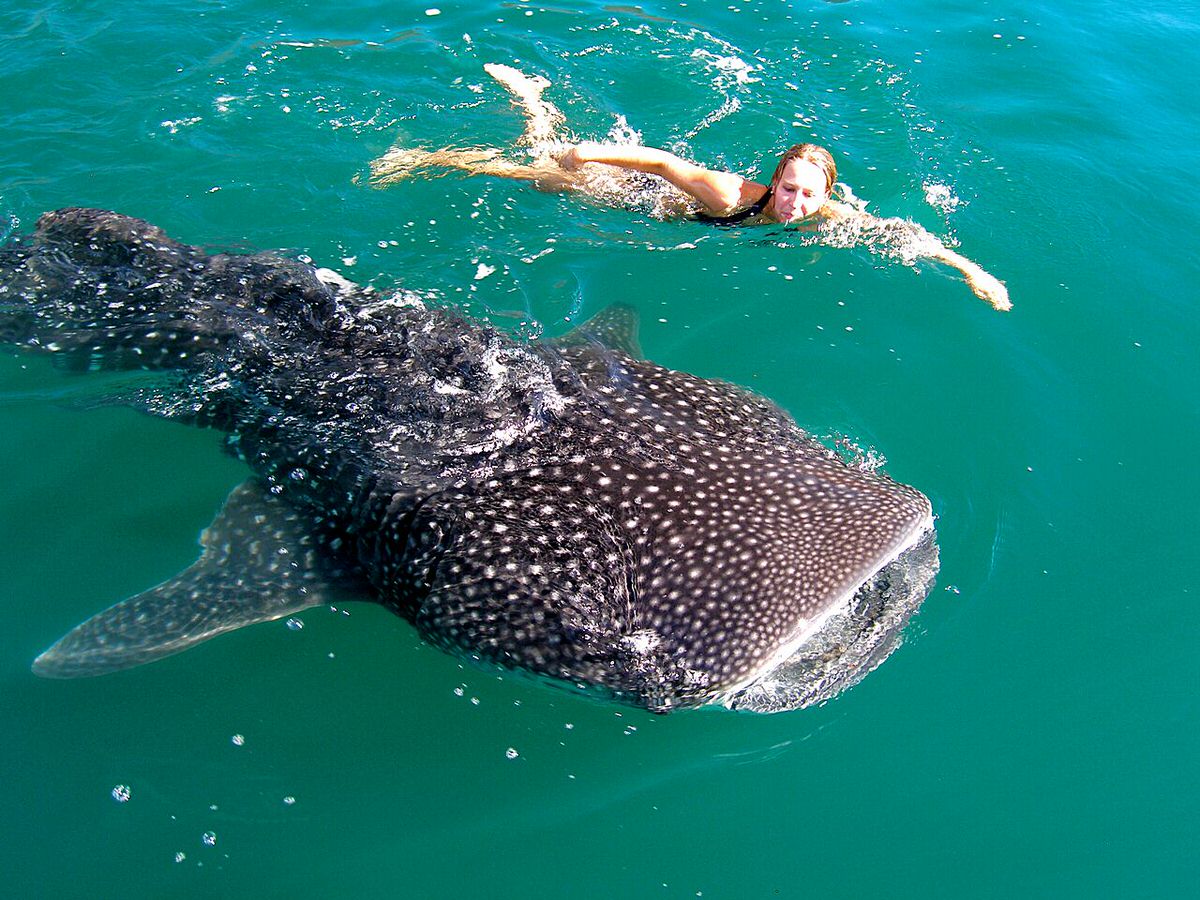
(706, 554)
(567, 509)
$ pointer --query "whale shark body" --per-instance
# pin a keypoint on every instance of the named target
(564, 508)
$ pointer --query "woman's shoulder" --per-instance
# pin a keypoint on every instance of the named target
(721, 193)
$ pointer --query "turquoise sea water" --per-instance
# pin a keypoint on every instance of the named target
(1038, 733)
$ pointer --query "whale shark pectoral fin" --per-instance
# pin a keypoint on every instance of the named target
(262, 560)
(614, 327)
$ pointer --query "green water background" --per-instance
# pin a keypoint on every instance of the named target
(1037, 735)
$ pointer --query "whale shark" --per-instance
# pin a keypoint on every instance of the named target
(563, 508)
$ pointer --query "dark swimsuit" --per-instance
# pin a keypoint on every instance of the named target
(741, 215)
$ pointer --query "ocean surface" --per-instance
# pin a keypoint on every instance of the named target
(1038, 733)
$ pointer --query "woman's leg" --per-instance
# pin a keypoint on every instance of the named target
(542, 121)
(400, 163)
(403, 162)
(543, 118)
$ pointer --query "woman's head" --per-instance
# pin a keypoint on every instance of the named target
(802, 182)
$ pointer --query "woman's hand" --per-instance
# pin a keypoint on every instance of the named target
(985, 286)
(989, 288)
(572, 160)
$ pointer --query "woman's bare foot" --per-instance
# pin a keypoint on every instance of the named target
(520, 85)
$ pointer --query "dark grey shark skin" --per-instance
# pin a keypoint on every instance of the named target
(564, 508)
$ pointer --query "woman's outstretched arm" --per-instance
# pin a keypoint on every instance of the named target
(985, 285)
(908, 241)
(718, 192)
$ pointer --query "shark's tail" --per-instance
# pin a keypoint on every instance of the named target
(102, 291)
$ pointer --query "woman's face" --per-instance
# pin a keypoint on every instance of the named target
(800, 191)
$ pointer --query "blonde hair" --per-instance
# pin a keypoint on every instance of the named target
(812, 153)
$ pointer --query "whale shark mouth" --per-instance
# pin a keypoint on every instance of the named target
(856, 634)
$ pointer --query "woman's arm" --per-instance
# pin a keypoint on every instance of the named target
(719, 192)
(908, 241)
(986, 287)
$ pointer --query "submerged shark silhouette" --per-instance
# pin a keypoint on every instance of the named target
(564, 508)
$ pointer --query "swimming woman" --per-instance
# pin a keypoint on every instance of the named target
(800, 192)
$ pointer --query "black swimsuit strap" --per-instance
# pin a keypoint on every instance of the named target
(741, 215)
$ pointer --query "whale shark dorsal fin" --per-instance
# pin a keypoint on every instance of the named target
(614, 327)
(260, 561)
